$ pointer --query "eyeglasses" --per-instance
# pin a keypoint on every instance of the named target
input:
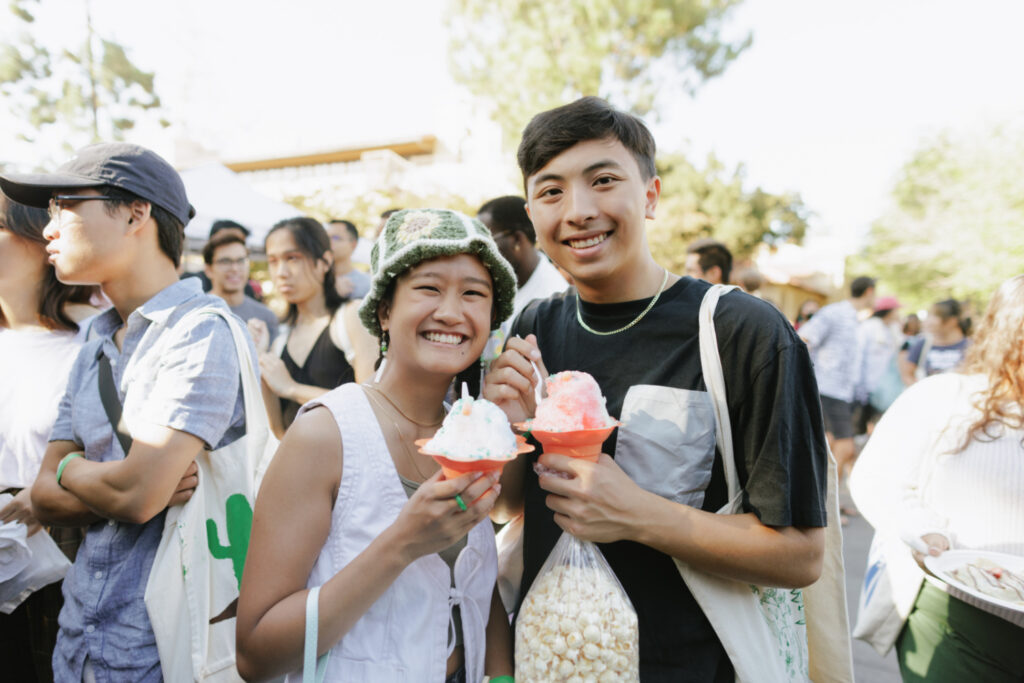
(61, 201)
(229, 262)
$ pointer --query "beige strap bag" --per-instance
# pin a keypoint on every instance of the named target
(771, 634)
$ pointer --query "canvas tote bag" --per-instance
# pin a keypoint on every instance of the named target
(771, 634)
(193, 585)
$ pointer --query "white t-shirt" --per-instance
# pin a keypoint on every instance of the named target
(35, 366)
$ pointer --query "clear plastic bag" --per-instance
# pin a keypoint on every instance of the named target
(576, 623)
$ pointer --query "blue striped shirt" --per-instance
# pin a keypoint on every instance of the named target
(185, 379)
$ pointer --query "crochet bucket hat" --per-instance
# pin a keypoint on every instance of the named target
(415, 235)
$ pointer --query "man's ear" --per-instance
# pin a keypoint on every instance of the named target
(653, 192)
(138, 213)
(208, 269)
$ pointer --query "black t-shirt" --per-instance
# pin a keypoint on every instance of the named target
(651, 377)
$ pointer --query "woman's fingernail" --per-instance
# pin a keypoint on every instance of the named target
(497, 489)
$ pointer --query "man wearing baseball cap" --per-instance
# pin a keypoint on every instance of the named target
(117, 217)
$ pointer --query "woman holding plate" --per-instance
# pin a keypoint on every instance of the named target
(942, 482)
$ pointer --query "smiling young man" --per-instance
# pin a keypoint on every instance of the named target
(591, 186)
(118, 213)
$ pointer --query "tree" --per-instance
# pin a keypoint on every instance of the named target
(527, 56)
(711, 202)
(954, 227)
(89, 93)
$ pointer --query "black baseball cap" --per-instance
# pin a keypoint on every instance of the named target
(136, 169)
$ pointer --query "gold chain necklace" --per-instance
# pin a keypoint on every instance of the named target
(591, 330)
(401, 437)
(402, 412)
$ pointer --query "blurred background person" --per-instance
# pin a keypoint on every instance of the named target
(227, 267)
(832, 339)
(349, 280)
(806, 311)
(224, 226)
(42, 325)
(944, 470)
(512, 230)
(943, 345)
(881, 338)
(322, 345)
(709, 260)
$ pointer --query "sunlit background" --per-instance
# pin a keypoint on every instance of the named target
(835, 118)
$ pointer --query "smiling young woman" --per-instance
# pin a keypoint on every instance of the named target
(381, 535)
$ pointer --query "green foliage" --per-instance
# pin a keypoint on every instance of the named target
(711, 202)
(526, 56)
(76, 95)
(954, 228)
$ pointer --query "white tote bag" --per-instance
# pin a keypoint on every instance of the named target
(771, 634)
(193, 585)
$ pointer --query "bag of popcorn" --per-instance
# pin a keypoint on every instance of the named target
(576, 624)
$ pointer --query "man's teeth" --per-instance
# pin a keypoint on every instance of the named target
(583, 244)
(444, 338)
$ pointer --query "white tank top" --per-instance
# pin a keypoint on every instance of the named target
(404, 636)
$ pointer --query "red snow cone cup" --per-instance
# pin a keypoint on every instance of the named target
(581, 443)
(456, 468)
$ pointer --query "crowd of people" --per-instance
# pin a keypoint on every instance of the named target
(126, 383)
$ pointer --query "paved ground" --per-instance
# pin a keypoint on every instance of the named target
(868, 665)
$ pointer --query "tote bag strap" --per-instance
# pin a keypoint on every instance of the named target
(714, 379)
(313, 669)
(256, 420)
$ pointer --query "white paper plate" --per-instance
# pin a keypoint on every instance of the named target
(943, 566)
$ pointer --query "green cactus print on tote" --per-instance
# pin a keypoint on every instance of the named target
(239, 527)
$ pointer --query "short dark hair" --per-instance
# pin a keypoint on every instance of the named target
(224, 224)
(353, 231)
(861, 285)
(218, 241)
(28, 223)
(712, 253)
(387, 214)
(508, 214)
(312, 240)
(589, 118)
(951, 308)
(170, 231)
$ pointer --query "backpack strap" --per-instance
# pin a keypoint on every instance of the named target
(112, 402)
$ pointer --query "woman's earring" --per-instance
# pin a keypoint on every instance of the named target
(384, 344)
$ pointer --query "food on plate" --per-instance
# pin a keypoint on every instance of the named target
(991, 579)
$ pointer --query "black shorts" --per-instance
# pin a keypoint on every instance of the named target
(838, 417)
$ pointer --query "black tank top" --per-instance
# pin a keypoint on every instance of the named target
(325, 367)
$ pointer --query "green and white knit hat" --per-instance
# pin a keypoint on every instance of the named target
(415, 235)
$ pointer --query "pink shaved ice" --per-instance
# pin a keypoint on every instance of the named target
(574, 402)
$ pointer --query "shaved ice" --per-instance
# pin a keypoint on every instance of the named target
(475, 429)
(574, 402)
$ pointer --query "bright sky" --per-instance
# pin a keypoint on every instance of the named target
(830, 100)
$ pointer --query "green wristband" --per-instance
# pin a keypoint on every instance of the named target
(503, 679)
(64, 463)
